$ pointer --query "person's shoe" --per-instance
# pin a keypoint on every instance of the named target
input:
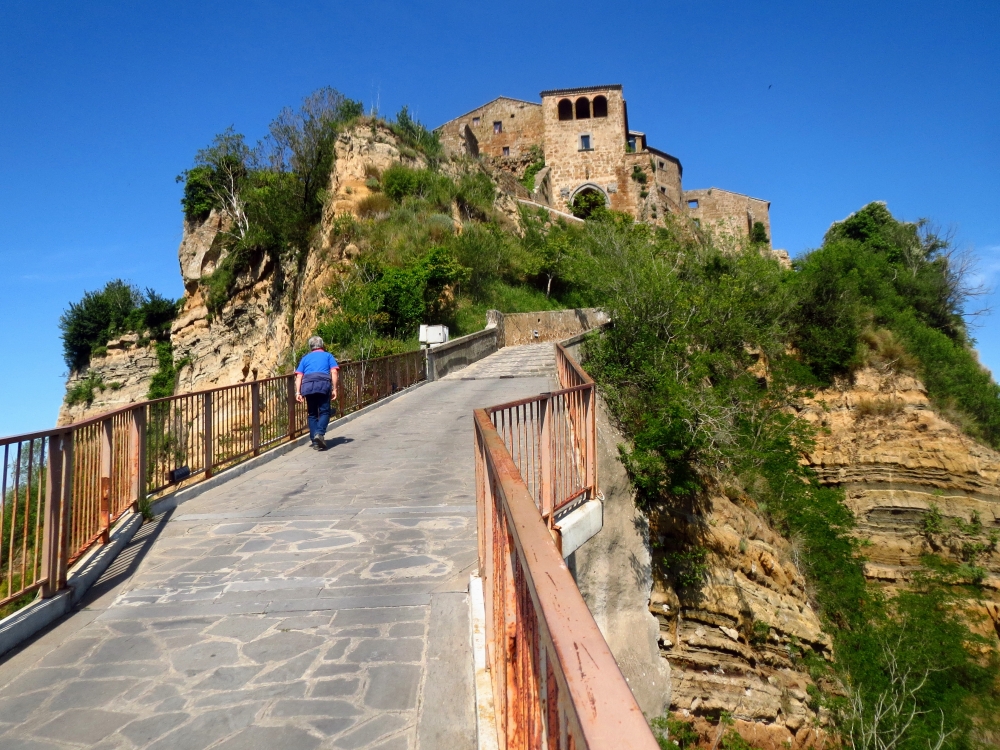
(312, 441)
(320, 442)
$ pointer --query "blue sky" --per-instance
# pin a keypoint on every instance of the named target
(818, 107)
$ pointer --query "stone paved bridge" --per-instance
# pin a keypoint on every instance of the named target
(316, 601)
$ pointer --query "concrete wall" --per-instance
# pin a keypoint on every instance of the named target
(552, 325)
(732, 213)
(460, 352)
(614, 573)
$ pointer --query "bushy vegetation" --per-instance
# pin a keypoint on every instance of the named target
(271, 195)
(698, 370)
(100, 316)
(421, 263)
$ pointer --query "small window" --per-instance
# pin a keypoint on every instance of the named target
(631, 144)
(663, 190)
(498, 127)
(692, 204)
(506, 150)
(565, 109)
(600, 106)
(475, 122)
(585, 143)
(662, 165)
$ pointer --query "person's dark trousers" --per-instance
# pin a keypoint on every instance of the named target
(318, 406)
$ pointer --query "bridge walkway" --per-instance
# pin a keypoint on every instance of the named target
(317, 601)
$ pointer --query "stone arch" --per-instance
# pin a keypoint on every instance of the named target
(600, 106)
(589, 190)
(565, 109)
(583, 108)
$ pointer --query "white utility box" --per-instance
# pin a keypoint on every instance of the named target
(433, 335)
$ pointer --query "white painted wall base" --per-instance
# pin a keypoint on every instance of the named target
(486, 721)
(580, 525)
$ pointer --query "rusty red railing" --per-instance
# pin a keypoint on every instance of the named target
(62, 490)
(556, 684)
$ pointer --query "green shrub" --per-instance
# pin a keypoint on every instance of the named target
(758, 234)
(536, 166)
(374, 205)
(100, 316)
(674, 734)
(84, 391)
(588, 204)
(413, 134)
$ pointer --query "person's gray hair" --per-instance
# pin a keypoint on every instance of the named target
(315, 342)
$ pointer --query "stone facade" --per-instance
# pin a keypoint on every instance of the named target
(730, 212)
(589, 147)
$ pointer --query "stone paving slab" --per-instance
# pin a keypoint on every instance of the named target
(315, 602)
(526, 360)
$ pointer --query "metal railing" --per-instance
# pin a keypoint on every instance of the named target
(556, 684)
(62, 490)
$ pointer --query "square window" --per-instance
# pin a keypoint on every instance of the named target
(585, 143)
(475, 122)
(506, 150)
(692, 204)
(661, 165)
(498, 127)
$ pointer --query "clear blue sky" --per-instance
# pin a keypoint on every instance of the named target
(818, 107)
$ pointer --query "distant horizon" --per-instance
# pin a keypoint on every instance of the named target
(801, 106)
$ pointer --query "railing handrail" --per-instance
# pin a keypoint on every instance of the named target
(551, 669)
(90, 473)
(135, 405)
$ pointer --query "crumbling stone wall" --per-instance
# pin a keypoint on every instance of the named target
(727, 211)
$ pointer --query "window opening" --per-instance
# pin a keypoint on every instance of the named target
(662, 165)
(600, 106)
(475, 122)
(692, 204)
(565, 109)
(498, 127)
(585, 143)
(631, 144)
(583, 108)
(506, 150)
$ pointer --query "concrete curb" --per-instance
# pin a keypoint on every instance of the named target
(41, 613)
(26, 622)
(486, 720)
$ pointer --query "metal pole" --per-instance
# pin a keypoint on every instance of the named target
(51, 527)
(545, 459)
(107, 438)
(290, 382)
(138, 489)
(255, 417)
(208, 443)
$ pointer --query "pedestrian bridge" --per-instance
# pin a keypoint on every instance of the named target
(316, 599)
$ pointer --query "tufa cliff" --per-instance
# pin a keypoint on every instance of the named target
(273, 304)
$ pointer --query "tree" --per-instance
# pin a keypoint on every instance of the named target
(221, 171)
(303, 142)
(758, 234)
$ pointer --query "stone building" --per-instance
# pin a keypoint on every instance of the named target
(589, 148)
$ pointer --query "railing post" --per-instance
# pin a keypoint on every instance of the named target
(291, 407)
(255, 417)
(138, 464)
(591, 427)
(52, 527)
(208, 443)
(545, 459)
(107, 438)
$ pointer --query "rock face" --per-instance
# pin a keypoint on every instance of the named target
(272, 308)
(729, 643)
(915, 482)
(123, 374)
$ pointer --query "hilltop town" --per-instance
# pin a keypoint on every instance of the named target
(579, 148)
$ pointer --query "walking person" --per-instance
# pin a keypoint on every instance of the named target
(316, 384)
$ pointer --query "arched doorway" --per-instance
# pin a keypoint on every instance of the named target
(588, 199)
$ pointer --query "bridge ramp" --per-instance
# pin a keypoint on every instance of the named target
(317, 601)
